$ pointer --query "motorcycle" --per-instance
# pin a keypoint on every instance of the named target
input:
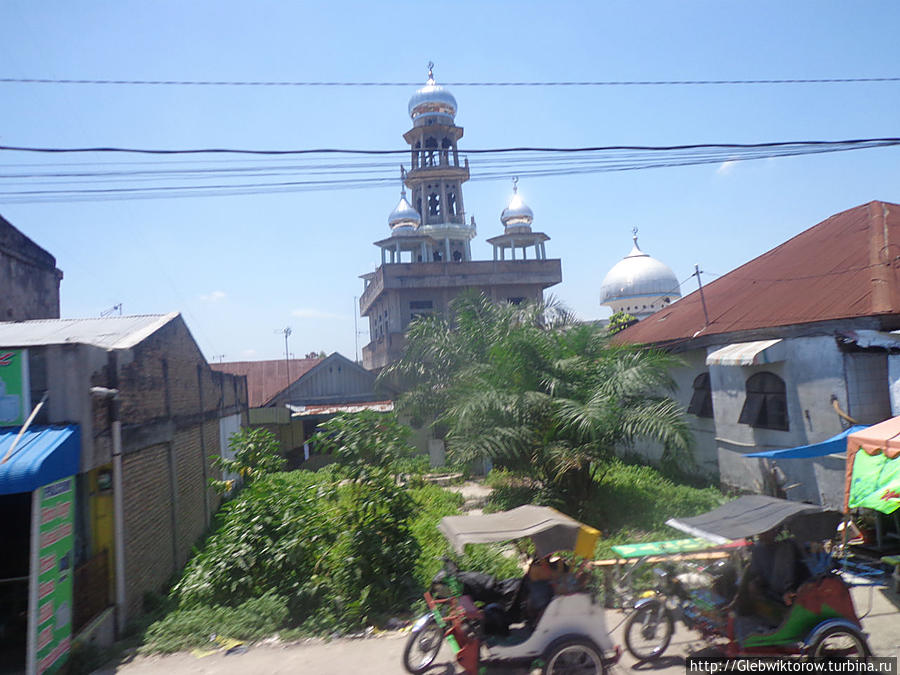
(820, 622)
(549, 618)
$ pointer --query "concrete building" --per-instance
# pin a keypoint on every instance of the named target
(133, 470)
(427, 259)
(28, 276)
(797, 341)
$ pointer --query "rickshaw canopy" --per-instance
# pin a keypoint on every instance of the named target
(549, 529)
(873, 468)
(754, 514)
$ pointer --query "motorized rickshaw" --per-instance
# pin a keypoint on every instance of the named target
(550, 617)
(814, 616)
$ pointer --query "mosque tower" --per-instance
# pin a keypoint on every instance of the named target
(427, 259)
(639, 285)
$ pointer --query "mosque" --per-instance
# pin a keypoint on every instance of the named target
(639, 285)
(426, 260)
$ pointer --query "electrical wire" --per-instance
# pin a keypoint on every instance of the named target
(867, 142)
(557, 83)
(192, 173)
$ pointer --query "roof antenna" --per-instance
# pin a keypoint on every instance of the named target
(431, 72)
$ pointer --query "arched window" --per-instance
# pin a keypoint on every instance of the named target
(701, 402)
(766, 404)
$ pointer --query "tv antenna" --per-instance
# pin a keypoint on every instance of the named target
(115, 309)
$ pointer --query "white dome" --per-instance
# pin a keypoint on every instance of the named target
(404, 217)
(639, 283)
(432, 102)
(517, 216)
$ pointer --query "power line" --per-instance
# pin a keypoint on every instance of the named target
(312, 171)
(558, 83)
(348, 151)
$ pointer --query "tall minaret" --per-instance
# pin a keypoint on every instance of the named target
(435, 177)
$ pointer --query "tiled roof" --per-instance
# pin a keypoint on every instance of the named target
(266, 378)
(847, 266)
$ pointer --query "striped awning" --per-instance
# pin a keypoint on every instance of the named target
(746, 354)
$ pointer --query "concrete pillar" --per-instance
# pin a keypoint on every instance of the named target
(513, 249)
(382, 257)
(446, 249)
(543, 252)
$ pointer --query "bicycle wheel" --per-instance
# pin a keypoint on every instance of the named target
(423, 646)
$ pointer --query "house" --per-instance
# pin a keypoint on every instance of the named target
(319, 389)
(121, 417)
(787, 349)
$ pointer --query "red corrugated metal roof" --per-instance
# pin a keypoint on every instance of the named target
(844, 267)
(266, 378)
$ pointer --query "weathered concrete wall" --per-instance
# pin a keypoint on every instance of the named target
(28, 277)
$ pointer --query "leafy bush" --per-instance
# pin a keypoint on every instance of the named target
(251, 620)
(334, 551)
(256, 453)
(364, 439)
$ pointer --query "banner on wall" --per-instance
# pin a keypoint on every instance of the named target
(15, 396)
(51, 600)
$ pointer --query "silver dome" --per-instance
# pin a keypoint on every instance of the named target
(432, 101)
(517, 216)
(638, 275)
(404, 216)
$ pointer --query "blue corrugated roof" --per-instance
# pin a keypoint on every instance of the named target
(43, 455)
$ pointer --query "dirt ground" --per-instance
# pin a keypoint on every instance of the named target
(381, 655)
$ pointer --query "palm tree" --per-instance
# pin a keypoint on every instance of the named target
(542, 395)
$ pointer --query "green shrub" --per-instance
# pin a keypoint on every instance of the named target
(339, 549)
(185, 628)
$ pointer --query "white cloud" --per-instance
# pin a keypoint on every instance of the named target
(312, 313)
(726, 168)
(215, 296)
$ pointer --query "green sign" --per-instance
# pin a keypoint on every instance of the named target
(54, 575)
(15, 397)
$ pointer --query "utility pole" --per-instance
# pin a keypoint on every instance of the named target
(702, 298)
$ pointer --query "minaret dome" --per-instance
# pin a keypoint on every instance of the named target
(432, 104)
(517, 216)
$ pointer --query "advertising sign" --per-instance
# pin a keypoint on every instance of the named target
(54, 560)
(15, 397)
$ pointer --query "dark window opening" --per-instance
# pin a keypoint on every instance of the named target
(515, 301)
(421, 304)
(701, 401)
(766, 404)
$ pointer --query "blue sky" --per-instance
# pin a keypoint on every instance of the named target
(242, 267)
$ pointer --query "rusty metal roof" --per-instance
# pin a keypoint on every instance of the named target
(266, 378)
(844, 267)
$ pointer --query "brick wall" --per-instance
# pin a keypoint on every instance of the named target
(148, 523)
(171, 402)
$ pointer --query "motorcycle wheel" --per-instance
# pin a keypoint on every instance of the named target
(573, 657)
(839, 643)
(648, 631)
(422, 647)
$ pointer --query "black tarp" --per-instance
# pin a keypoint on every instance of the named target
(754, 514)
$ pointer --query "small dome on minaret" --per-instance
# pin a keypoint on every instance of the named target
(432, 103)
(638, 284)
(517, 216)
(404, 218)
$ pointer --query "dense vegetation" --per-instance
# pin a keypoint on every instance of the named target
(546, 397)
(353, 544)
